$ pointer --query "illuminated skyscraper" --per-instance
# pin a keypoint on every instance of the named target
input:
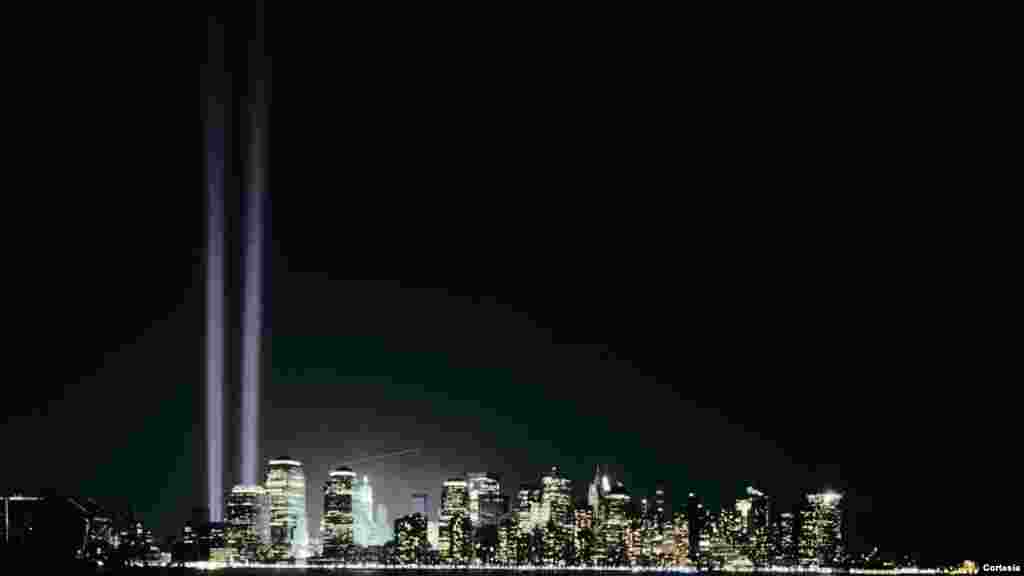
(754, 515)
(556, 499)
(213, 541)
(695, 524)
(599, 487)
(434, 534)
(362, 512)
(336, 525)
(247, 525)
(660, 508)
(411, 538)
(681, 540)
(370, 524)
(524, 521)
(460, 538)
(482, 487)
(454, 505)
(615, 514)
(492, 508)
(725, 533)
(286, 490)
(784, 540)
(538, 516)
(583, 520)
(821, 530)
(508, 539)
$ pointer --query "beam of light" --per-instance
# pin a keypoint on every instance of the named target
(215, 323)
(252, 313)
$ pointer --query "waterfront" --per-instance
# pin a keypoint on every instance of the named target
(304, 570)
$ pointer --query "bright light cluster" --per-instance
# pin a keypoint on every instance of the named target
(209, 566)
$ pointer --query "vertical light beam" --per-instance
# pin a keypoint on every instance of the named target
(252, 314)
(215, 321)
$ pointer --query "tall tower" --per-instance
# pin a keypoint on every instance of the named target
(821, 530)
(364, 528)
(523, 518)
(336, 525)
(600, 486)
(482, 487)
(286, 490)
(454, 507)
(661, 508)
(556, 498)
(784, 540)
(695, 525)
(616, 523)
(247, 520)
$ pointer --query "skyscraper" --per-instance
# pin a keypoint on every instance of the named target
(661, 508)
(454, 505)
(411, 537)
(247, 520)
(434, 534)
(695, 525)
(681, 540)
(784, 540)
(370, 523)
(481, 486)
(821, 530)
(508, 539)
(336, 525)
(523, 519)
(599, 487)
(286, 490)
(754, 515)
(362, 511)
(615, 513)
(492, 507)
(556, 499)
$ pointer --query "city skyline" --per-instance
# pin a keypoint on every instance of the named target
(507, 277)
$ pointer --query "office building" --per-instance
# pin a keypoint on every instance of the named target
(454, 507)
(286, 491)
(660, 508)
(508, 539)
(614, 525)
(434, 534)
(784, 540)
(482, 487)
(681, 540)
(337, 523)
(599, 487)
(247, 521)
(556, 499)
(821, 541)
(524, 520)
(411, 538)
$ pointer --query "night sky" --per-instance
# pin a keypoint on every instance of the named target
(704, 269)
